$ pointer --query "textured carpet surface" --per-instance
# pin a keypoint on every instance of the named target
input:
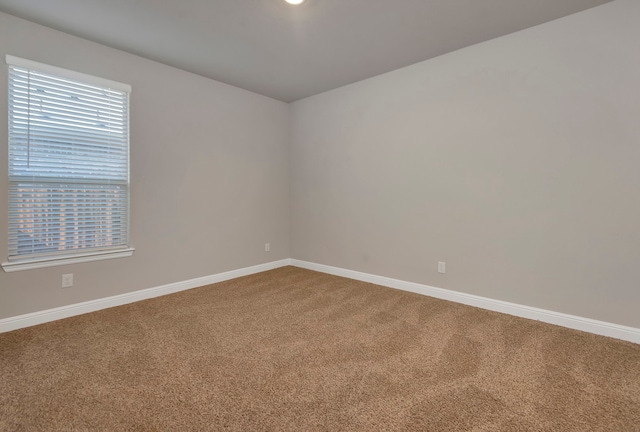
(295, 350)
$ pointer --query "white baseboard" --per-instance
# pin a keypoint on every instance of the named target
(41, 317)
(630, 334)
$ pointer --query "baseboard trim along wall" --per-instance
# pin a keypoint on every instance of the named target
(41, 317)
(602, 328)
(630, 334)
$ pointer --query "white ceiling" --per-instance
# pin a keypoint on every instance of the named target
(291, 52)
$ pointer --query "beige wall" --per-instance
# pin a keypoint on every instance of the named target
(209, 175)
(516, 161)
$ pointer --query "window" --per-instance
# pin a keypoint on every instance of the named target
(68, 167)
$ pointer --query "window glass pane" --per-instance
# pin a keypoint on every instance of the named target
(68, 165)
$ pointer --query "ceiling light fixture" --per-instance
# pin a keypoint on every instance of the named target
(294, 2)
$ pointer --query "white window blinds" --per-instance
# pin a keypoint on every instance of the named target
(68, 162)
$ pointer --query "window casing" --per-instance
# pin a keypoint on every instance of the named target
(68, 166)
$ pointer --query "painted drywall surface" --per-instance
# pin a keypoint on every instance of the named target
(209, 175)
(514, 161)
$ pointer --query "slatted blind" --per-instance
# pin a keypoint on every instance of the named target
(68, 162)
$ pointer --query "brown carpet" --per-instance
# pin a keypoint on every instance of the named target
(295, 350)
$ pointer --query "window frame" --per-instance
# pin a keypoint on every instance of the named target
(80, 255)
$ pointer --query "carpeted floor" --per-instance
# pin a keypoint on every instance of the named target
(295, 350)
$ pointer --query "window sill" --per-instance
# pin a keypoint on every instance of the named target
(65, 260)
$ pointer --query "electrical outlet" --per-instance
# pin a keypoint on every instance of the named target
(442, 267)
(267, 247)
(67, 280)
